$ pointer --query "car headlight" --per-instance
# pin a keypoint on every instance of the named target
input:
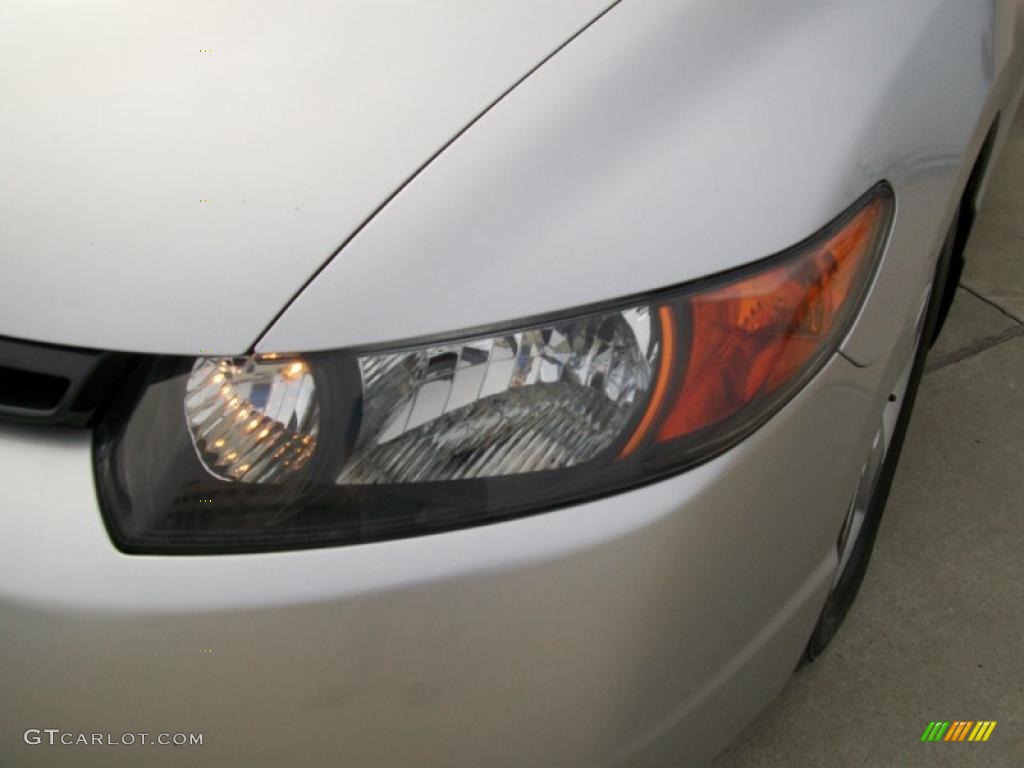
(279, 451)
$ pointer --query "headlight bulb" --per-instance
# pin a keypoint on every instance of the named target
(254, 419)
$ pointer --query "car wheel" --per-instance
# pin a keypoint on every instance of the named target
(857, 537)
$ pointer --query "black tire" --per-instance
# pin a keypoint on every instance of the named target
(844, 592)
(953, 253)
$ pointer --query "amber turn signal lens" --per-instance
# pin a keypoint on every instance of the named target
(752, 336)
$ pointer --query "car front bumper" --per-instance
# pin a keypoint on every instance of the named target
(642, 629)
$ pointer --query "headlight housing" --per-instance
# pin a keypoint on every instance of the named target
(280, 451)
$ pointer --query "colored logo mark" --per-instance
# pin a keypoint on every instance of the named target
(959, 730)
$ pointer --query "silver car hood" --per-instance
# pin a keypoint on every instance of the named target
(172, 173)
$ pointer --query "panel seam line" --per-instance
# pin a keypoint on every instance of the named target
(409, 179)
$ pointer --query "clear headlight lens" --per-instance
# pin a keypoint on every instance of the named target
(281, 451)
(542, 399)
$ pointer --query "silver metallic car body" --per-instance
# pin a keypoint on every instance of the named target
(667, 141)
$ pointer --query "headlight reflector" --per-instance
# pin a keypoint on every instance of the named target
(541, 399)
(254, 420)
